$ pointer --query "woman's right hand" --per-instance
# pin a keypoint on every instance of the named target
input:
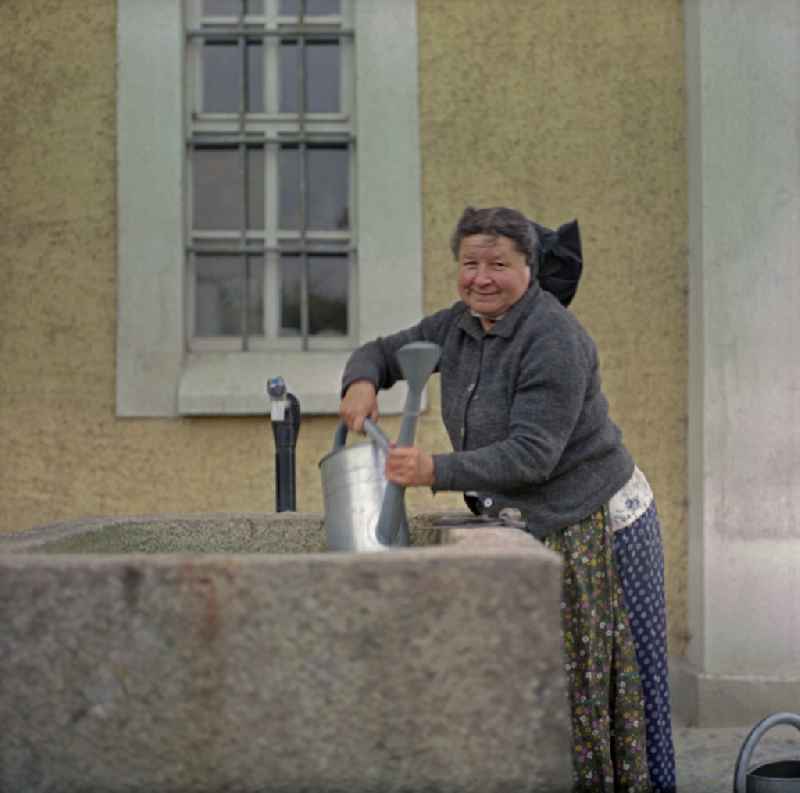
(360, 401)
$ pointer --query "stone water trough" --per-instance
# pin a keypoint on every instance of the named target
(232, 653)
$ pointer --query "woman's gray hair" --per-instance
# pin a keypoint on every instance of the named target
(499, 222)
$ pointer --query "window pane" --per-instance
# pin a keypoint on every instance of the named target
(222, 8)
(328, 175)
(222, 77)
(291, 8)
(328, 188)
(255, 77)
(231, 8)
(213, 246)
(289, 181)
(328, 288)
(218, 189)
(289, 76)
(219, 192)
(218, 295)
(255, 185)
(290, 296)
(255, 296)
(323, 76)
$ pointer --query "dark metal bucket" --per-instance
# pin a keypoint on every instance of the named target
(781, 776)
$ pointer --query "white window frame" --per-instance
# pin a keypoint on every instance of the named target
(157, 374)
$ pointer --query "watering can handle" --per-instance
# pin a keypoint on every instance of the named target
(743, 761)
(376, 435)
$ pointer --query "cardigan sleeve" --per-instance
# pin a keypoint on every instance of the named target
(376, 361)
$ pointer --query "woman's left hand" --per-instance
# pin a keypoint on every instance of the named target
(409, 466)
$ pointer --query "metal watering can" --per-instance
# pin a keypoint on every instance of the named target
(364, 512)
(782, 776)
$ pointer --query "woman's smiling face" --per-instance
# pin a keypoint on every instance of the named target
(492, 274)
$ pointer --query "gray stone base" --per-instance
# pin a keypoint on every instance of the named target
(433, 668)
(700, 699)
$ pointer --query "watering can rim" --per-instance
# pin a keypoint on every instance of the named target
(755, 769)
(742, 772)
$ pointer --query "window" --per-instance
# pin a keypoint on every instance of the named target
(268, 197)
(271, 250)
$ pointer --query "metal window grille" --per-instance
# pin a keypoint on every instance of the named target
(271, 245)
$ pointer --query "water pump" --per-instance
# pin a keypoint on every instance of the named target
(285, 418)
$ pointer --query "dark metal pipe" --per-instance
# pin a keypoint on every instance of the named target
(285, 419)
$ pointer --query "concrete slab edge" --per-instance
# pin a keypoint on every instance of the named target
(703, 699)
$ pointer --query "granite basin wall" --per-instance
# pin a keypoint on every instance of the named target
(229, 653)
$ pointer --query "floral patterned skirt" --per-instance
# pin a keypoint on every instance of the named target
(605, 690)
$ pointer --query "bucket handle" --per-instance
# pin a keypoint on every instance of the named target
(376, 435)
(743, 761)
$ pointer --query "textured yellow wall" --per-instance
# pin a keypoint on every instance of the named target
(561, 109)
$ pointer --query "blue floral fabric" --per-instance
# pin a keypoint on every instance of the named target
(639, 560)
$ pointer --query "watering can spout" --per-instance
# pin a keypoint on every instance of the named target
(418, 361)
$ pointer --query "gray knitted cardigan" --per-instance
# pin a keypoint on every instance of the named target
(522, 405)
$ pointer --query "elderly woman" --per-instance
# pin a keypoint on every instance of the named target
(522, 403)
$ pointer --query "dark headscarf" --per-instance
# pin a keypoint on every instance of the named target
(560, 260)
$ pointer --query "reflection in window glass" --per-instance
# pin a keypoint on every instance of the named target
(231, 8)
(255, 77)
(222, 8)
(222, 77)
(327, 171)
(255, 188)
(290, 324)
(289, 57)
(218, 189)
(323, 76)
(291, 8)
(289, 187)
(219, 282)
(328, 288)
(327, 295)
(255, 296)
(218, 295)
(328, 188)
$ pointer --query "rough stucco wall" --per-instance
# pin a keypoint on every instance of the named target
(576, 109)
(561, 109)
(63, 451)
